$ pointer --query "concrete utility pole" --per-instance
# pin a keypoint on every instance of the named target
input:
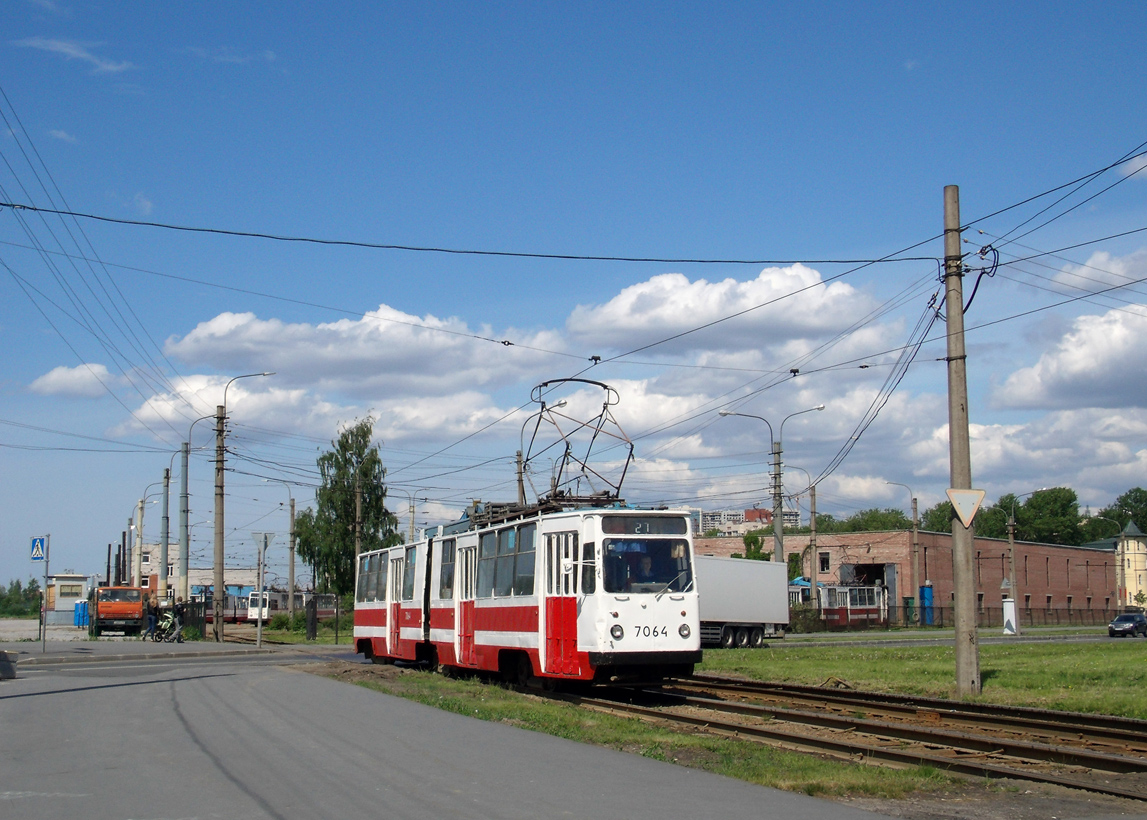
(164, 534)
(778, 508)
(291, 564)
(184, 509)
(959, 452)
(915, 551)
(357, 519)
(814, 559)
(915, 561)
(137, 555)
(219, 591)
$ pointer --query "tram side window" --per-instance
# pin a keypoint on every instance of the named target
(504, 567)
(588, 568)
(380, 581)
(408, 574)
(446, 581)
(487, 554)
(363, 575)
(524, 564)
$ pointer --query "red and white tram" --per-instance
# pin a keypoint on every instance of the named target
(595, 594)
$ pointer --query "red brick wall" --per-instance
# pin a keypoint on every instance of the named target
(1063, 573)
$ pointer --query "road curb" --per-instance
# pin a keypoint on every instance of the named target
(34, 660)
(7, 665)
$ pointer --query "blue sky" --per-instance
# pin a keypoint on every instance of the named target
(796, 135)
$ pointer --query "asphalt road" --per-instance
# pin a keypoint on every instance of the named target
(244, 736)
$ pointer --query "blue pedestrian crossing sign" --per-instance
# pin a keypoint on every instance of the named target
(39, 548)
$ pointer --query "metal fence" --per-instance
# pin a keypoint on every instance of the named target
(993, 617)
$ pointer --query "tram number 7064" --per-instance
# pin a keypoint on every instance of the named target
(650, 631)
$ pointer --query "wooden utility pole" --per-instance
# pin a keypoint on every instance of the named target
(959, 452)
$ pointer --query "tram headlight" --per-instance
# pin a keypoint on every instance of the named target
(617, 632)
(684, 631)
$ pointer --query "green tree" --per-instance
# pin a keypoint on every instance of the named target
(938, 518)
(325, 535)
(753, 541)
(1132, 505)
(1050, 517)
(876, 520)
(796, 565)
(992, 521)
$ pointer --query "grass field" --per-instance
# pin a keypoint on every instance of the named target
(1107, 677)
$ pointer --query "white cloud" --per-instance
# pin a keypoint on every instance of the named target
(1103, 271)
(1097, 364)
(670, 303)
(63, 136)
(73, 50)
(85, 380)
(385, 354)
(142, 204)
(1134, 166)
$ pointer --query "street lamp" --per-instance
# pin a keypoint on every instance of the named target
(412, 500)
(181, 589)
(217, 582)
(1120, 558)
(137, 553)
(915, 551)
(778, 511)
(291, 560)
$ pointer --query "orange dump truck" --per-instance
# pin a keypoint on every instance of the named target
(120, 609)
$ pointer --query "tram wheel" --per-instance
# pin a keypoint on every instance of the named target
(525, 670)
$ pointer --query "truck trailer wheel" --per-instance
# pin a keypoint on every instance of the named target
(742, 637)
(756, 637)
(728, 637)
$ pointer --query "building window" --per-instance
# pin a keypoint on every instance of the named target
(1049, 603)
(824, 562)
(980, 601)
(1089, 602)
(71, 590)
(1027, 602)
(1069, 599)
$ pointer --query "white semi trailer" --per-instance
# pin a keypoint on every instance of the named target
(742, 602)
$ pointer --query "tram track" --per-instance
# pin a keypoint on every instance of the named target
(1109, 757)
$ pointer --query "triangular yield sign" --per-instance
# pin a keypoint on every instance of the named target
(966, 504)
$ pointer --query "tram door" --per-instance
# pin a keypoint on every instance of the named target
(560, 626)
(467, 570)
(393, 621)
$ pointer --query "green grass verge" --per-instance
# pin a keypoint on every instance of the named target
(1105, 677)
(726, 756)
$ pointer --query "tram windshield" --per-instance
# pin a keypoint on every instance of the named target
(646, 565)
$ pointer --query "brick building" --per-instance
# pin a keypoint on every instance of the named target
(1049, 578)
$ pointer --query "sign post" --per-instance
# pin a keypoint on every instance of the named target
(41, 547)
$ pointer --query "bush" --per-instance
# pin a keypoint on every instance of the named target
(191, 633)
(803, 619)
(280, 621)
